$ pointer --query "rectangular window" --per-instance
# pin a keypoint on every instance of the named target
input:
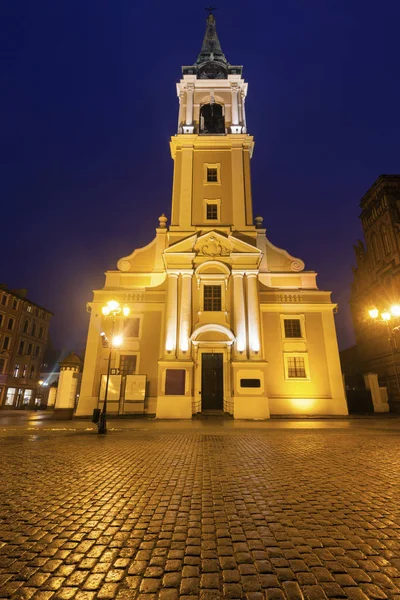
(15, 304)
(10, 324)
(11, 392)
(131, 328)
(25, 371)
(6, 343)
(212, 174)
(41, 333)
(26, 325)
(29, 350)
(296, 367)
(29, 308)
(37, 351)
(212, 297)
(33, 329)
(1, 320)
(127, 364)
(16, 371)
(292, 328)
(4, 300)
(32, 372)
(27, 396)
(2, 365)
(212, 212)
(21, 348)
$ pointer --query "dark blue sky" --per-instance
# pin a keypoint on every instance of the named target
(88, 104)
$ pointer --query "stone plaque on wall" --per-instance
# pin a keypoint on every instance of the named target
(175, 382)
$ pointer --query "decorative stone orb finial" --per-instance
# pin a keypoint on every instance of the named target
(259, 221)
(163, 221)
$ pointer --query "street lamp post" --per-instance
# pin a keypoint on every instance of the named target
(112, 310)
(384, 317)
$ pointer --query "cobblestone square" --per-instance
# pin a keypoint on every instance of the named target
(277, 510)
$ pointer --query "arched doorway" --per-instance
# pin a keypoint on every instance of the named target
(212, 350)
(212, 119)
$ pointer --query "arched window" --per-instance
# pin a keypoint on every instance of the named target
(212, 119)
(375, 248)
(385, 239)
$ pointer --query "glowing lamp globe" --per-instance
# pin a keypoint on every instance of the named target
(117, 341)
(395, 310)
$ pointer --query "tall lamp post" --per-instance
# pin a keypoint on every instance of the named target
(112, 310)
(385, 318)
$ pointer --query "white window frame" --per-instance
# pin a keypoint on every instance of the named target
(212, 166)
(214, 201)
(212, 279)
(290, 317)
(304, 355)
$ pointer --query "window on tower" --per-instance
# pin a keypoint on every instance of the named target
(212, 212)
(212, 297)
(212, 174)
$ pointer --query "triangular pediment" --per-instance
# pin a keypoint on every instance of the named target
(212, 245)
(185, 245)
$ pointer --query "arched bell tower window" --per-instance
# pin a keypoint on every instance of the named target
(212, 119)
(385, 239)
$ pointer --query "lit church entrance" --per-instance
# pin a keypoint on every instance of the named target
(212, 381)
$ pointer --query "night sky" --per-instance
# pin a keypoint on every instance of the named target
(88, 104)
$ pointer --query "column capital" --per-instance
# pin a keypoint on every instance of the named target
(186, 272)
(250, 274)
(172, 273)
(238, 273)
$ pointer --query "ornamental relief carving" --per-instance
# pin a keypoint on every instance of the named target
(214, 248)
(297, 265)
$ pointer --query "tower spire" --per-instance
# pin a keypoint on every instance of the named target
(211, 49)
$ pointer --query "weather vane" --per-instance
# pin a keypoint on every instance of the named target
(210, 9)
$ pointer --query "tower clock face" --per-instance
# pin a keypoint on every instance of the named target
(212, 71)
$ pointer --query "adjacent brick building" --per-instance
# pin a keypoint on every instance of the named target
(24, 329)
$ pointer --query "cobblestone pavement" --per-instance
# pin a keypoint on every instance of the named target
(182, 511)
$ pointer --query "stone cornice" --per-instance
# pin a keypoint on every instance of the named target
(211, 142)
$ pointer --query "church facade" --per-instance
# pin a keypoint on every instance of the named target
(220, 318)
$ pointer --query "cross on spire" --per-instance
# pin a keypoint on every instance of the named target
(210, 9)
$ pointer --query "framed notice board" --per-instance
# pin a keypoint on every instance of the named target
(135, 387)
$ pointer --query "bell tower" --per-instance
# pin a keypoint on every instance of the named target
(211, 150)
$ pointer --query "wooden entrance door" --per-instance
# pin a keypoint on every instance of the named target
(212, 381)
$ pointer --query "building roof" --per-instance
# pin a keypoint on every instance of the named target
(211, 62)
(383, 182)
(71, 360)
(22, 295)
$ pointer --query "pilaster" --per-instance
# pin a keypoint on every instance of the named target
(239, 313)
(185, 323)
(253, 313)
(171, 317)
